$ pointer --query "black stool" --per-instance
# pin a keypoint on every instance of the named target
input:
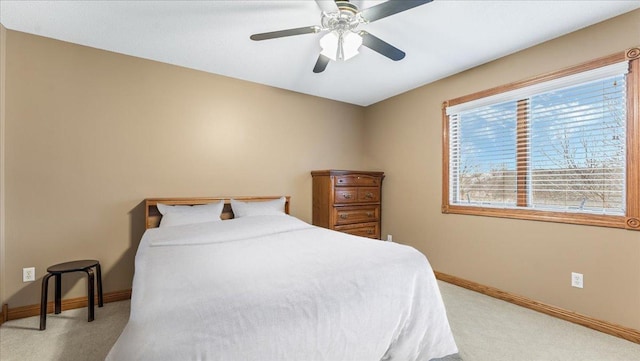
(57, 271)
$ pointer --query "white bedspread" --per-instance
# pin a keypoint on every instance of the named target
(273, 288)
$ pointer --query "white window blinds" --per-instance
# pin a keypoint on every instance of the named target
(557, 145)
(578, 147)
(483, 155)
(558, 83)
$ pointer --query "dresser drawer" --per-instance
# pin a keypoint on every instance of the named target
(357, 180)
(359, 214)
(369, 194)
(371, 230)
(346, 195)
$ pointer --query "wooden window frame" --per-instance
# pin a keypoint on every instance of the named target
(631, 219)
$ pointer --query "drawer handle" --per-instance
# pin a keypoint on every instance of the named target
(368, 195)
(346, 195)
(369, 214)
(369, 231)
(343, 216)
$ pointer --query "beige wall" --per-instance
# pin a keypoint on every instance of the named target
(533, 259)
(3, 42)
(90, 134)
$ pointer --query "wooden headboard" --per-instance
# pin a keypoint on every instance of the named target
(152, 216)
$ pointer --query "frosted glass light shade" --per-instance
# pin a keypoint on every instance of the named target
(338, 46)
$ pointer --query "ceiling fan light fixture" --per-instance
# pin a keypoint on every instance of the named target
(341, 18)
(337, 45)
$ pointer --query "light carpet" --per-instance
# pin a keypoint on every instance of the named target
(68, 337)
(485, 329)
(488, 329)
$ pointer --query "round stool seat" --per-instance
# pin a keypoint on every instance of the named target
(73, 266)
(57, 270)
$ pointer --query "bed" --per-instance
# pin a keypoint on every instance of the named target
(263, 285)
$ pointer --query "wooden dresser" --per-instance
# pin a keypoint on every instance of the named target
(348, 201)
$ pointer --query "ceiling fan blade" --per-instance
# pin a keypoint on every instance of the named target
(389, 8)
(376, 44)
(321, 64)
(287, 32)
(327, 6)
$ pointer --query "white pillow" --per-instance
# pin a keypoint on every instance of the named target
(178, 215)
(261, 208)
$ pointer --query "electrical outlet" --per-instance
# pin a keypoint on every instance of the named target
(389, 238)
(28, 274)
(577, 280)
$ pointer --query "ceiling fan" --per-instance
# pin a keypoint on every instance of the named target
(341, 19)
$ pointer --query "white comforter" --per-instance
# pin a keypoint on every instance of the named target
(274, 288)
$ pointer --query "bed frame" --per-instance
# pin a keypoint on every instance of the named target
(152, 216)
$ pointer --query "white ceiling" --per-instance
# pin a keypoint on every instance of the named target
(440, 38)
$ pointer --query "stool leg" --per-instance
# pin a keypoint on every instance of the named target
(90, 293)
(58, 301)
(99, 276)
(43, 301)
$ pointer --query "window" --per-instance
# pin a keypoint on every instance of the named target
(561, 147)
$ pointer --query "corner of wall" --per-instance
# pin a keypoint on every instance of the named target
(3, 61)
